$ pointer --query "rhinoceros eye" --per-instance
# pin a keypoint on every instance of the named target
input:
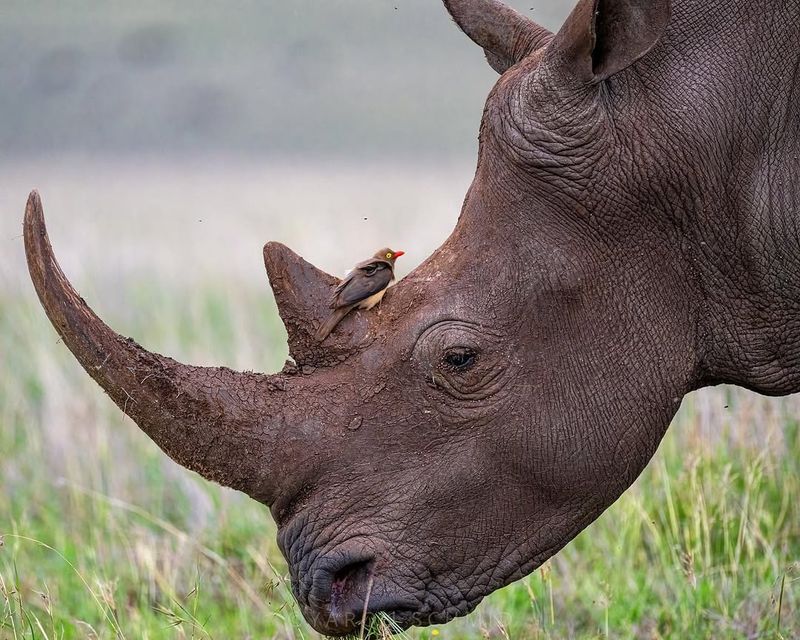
(460, 358)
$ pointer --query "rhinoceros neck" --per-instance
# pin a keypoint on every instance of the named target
(747, 231)
(750, 317)
(720, 100)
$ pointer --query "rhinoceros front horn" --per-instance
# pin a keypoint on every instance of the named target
(226, 425)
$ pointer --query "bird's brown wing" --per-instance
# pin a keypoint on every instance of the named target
(366, 279)
(340, 287)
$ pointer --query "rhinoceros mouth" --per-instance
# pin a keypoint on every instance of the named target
(346, 613)
(361, 600)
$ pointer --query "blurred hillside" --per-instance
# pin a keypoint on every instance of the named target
(358, 78)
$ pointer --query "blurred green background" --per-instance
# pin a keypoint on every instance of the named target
(170, 141)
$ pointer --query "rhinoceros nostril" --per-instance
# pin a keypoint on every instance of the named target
(349, 586)
(345, 582)
(339, 590)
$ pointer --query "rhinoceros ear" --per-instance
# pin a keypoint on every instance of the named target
(303, 293)
(602, 37)
(506, 36)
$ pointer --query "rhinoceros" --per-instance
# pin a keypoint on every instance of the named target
(635, 222)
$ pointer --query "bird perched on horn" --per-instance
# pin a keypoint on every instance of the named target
(362, 288)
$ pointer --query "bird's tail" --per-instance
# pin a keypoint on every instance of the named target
(330, 324)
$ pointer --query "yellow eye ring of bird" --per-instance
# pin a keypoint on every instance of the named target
(388, 255)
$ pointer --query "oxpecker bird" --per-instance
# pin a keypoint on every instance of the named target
(362, 288)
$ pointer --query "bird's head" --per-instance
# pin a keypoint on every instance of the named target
(388, 254)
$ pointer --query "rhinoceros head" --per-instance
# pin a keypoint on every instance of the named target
(510, 388)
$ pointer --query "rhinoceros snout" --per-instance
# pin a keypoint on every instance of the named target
(339, 586)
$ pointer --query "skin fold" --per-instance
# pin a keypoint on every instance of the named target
(635, 208)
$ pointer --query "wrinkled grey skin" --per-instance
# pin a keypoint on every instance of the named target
(634, 216)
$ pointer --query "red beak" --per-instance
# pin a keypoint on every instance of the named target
(397, 254)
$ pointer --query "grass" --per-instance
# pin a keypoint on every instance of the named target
(102, 536)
